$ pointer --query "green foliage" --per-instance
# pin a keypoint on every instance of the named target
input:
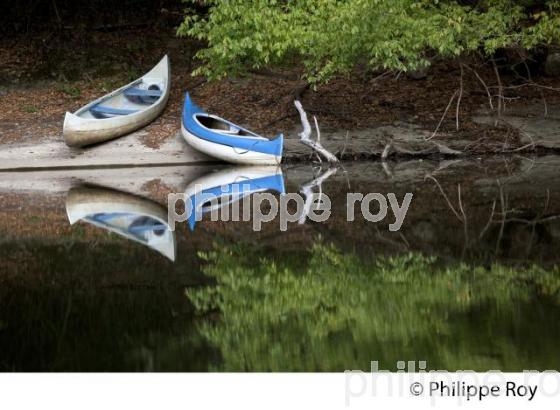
(332, 36)
(338, 311)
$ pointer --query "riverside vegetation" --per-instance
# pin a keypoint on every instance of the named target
(331, 310)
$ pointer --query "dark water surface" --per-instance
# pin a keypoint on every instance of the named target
(469, 282)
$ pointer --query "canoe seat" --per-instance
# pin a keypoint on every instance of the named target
(103, 111)
(137, 92)
(107, 216)
(146, 228)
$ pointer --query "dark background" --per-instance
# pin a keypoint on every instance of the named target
(29, 16)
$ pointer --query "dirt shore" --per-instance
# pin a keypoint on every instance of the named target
(41, 79)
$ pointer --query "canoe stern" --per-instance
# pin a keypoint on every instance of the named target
(161, 69)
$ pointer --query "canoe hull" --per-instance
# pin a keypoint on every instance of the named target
(84, 201)
(240, 147)
(228, 153)
(80, 132)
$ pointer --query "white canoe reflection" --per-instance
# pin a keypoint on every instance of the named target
(135, 218)
(229, 186)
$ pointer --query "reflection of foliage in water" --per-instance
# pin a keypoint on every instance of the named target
(337, 311)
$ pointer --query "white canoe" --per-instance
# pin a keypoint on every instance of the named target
(135, 218)
(121, 111)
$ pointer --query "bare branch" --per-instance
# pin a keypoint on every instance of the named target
(380, 76)
(345, 145)
(387, 169)
(307, 191)
(444, 149)
(443, 116)
(460, 201)
(459, 217)
(484, 85)
(544, 102)
(490, 220)
(512, 87)
(305, 136)
(459, 99)
(500, 88)
(318, 130)
(386, 151)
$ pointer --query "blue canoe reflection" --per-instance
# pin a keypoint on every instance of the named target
(135, 218)
(223, 188)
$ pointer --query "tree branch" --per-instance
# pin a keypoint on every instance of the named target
(305, 136)
(307, 191)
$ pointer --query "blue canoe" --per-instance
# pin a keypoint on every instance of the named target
(224, 140)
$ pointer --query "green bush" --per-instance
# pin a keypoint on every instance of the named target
(332, 36)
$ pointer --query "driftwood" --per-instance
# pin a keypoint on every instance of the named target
(305, 136)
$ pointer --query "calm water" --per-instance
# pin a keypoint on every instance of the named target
(93, 280)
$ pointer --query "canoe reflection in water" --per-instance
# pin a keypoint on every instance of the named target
(216, 191)
(135, 218)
